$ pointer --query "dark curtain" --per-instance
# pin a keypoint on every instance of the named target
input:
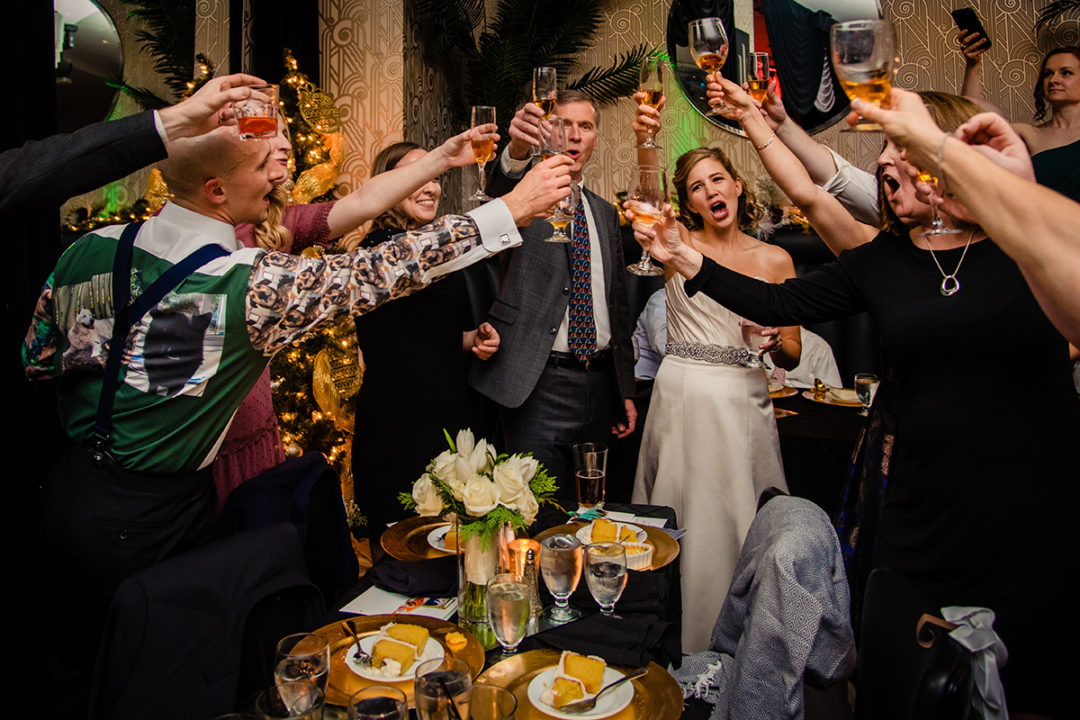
(276, 25)
(800, 44)
(683, 11)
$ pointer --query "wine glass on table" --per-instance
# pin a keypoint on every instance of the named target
(301, 658)
(757, 76)
(863, 54)
(866, 385)
(442, 683)
(561, 560)
(379, 702)
(483, 150)
(508, 602)
(646, 195)
(708, 47)
(295, 700)
(651, 83)
(544, 94)
(562, 213)
(605, 573)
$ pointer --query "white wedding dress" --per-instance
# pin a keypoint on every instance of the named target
(709, 448)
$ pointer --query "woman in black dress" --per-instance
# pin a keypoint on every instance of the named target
(981, 485)
(416, 354)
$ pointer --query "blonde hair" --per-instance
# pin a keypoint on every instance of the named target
(270, 234)
(748, 211)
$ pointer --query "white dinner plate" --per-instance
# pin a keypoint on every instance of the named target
(437, 538)
(433, 649)
(612, 702)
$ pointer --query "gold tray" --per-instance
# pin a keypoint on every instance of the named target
(783, 392)
(828, 399)
(344, 683)
(666, 547)
(407, 539)
(656, 695)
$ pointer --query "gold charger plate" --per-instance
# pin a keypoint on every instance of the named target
(407, 539)
(656, 695)
(828, 399)
(344, 683)
(783, 392)
(666, 548)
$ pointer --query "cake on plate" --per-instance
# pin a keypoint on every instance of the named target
(577, 677)
(398, 646)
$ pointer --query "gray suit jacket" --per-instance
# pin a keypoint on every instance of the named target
(533, 295)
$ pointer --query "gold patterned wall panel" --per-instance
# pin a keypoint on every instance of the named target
(212, 33)
(360, 43)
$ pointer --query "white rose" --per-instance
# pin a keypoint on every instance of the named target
(444, 467)
(527, 466)
(426, 496)
(508, 482)
(528, 506)
(480, 497)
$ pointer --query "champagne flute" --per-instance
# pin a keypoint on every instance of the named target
(652, 84)
(379, 702)
(646, 196)
(440, 682)
(561, 559)
(866, 385)
(938, 226)
(483, 150)
(508, 603)
(544, 94)
(300, 657)
(708, 47)
(863, 56)
(554, 143)
(757, 76)
(605, 572)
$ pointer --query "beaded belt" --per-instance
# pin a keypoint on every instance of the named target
(717, 354)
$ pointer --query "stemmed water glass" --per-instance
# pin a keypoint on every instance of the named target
(938, 226)
(508, 604)
(866, 385)
(757, 76)
(300, 657)
(483, 150)
(561, 559)
(708, 47)
(753, 339)
(651, 82)
(544, 94)
(554, 143)
(646, 195)
(863, 56)
(605, 572)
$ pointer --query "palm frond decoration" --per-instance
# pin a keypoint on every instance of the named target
(1050, 15)
(490, 62)
(168, 37)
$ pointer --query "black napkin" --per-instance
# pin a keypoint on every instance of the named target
(434, 578)
(632, 640)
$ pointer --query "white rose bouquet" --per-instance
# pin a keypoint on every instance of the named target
(483, 489)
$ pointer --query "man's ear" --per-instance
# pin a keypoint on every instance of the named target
(214, 191)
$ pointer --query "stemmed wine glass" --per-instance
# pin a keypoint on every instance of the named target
(554, 143)
(646, 195)
(708, 47)
(938, 226)
(757, 76)
(300, 657)
(753, 339)
(508, 603)
(561, 558)
(862, 56)
(651, 82)
(483, 150)
(544, 93)
(605, 572)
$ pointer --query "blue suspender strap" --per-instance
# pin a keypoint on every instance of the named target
(128, 313)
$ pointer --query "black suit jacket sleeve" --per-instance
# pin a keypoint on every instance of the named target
(44, 173)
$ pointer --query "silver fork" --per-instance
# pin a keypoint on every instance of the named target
(580, 706)
(362, 657)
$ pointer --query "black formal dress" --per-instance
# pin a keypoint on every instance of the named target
(414, 387)
(981, 493)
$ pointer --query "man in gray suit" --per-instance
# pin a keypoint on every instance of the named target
(565, 367)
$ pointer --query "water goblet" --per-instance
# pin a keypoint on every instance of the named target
(508, 603)
(440, 683)
(605, 572)
(294, 699)
(866, 385)
(379, 702)
(301, 657)
(560, 565)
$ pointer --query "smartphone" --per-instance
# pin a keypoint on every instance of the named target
(966, 19)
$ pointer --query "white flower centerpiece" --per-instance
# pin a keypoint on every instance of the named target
(482, 492)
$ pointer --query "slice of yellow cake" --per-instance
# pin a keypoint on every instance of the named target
(589, 669)
(414, 635)
(566, 690)
(627, 534)
(603, 530)
(400, 644)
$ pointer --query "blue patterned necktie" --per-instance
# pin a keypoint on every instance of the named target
(581, 334)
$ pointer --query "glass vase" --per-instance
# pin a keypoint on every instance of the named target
(479, 559)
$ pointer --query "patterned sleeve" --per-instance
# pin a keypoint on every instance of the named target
(41, 343)
(288, 295)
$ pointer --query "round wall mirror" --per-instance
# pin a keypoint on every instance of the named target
(88, 55)
(794, 34)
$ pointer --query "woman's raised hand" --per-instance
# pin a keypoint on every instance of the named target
(458, 149)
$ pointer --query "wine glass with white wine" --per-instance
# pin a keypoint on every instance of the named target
(483, 150)
(646, 195)
(562, 213)
(937, 226)
(544, 94)
(708, 47)
(651, 82)
(863, 53)
(757, 75)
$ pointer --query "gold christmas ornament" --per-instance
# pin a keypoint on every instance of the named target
(320, 179)
(334, 382)
(318, 109)
(157, 192)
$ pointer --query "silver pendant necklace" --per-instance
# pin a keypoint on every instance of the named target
(949, 284)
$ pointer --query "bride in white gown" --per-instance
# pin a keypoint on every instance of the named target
(710, 444)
